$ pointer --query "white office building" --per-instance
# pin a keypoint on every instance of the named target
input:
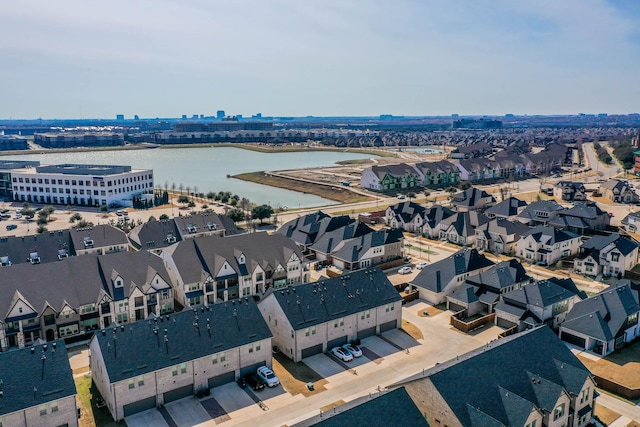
(85, 185)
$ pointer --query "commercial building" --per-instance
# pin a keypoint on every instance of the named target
(85, 185)
(66, 140)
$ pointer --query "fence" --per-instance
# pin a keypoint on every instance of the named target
(465, 327)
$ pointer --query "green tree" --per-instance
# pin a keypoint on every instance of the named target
(191, 204)
(151, 218)
(104, 208)
(465, 185)
(75, 217)
(411, 195)
(164, 217)
(41, 229)
(211, 195)
(261, 212)
(183, 199)
(28, 212)
(236, 215)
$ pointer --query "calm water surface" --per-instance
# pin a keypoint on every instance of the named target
(207, 168)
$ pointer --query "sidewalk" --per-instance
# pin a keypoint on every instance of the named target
(621, 407)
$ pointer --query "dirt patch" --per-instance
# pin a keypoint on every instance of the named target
(605, 414)
(82, 370)
(412, 330)
(332, 405)
(294, 376)
(429, 311)
(622, 366)
(327, 192)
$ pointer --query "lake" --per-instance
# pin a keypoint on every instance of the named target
(207, 168)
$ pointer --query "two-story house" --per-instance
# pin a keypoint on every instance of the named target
(428, 222)
(499, 235)
(509, 209)
(529, 379)
(439, 173)
(472, 199)
(631, 222)
(609, 255)
(460, 228)
(403, 215)
(307, 229)
(147, 364)
(539, 213)
(618, 191)
(581, 218)
(315, 317)
(570, 191)
(547, 245)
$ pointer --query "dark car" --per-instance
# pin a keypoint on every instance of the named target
(254, 381)
(241, 382)
(11, 227)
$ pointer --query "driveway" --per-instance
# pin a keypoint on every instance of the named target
(150, 418)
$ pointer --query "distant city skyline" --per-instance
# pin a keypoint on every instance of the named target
(72, 59)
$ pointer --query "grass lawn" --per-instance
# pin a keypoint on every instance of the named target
(622, 366)
(294, 376)
(606, 415)
(91, 415)
(412, 330)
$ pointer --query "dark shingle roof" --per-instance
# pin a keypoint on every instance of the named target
(583, 210)
(139, 351)
(377, 410)
(501, 275)
(547, 206)
(465, 223)
(354, 249)
(331, 240)
(406, 211)
(437, 275)
(544, 292)
(101, 235)
(549, 235)
(535, 366)
(504, 227)
(47, 245)
(307, 229)
(435, 214)
(205, 222)
(604, 315)
(28, 382)
(154, 234)
(315, 303)
(470, 197)
(507, 207)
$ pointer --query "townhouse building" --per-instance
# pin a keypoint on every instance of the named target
(152, 363)
(440, 173)
(86, 185)
(98, 239)
(390, 178)
(315, 317)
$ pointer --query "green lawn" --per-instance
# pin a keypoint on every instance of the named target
(91, 415)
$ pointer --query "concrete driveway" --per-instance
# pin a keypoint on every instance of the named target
(187, 412)
(150, 418)
(324, 365)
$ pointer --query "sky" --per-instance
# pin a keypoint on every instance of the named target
(165, 58)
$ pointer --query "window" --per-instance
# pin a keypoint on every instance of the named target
(584, 395)
(214, 359)
(365, 314)
(140, 380)
(223, 357)
(558, 412)
(339, 322)
(43, 410)
(183, 368)
(251, 348)
(532, 424)
(131, 384)
(258, 347)
(54, 406)
(615, 257)
(174, 371)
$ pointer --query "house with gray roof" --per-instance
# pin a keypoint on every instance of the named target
(403, 215)
(372, 249)
(307, 229)
(37, 387)
(50, 246)
(604, 322)
(609, 255)
(539, 213)
(543, 302)
(547, 245)
(98, 239)
(499, 235)
(439, 173)
(213, 269)
(460, 228)
(472, 199)
(428, 222)
(527, 379)
(90, 292)
(377, 409)
(570, 191)
(481, 291)
(155, 235)
(618, 191)
(478, 169)
(314, 317)
(631, 222)
(146, 364)
(581, 218)
(442, 278)
(509, 208)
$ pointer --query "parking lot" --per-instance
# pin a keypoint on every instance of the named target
(386, 359)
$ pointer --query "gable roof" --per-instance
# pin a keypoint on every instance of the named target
(306, 229)
(465, 223)
(330, 241)
(470, 197)
(136, 269)
(546, 206)
(397, 170)
(596, 244)
(506, 379)
(500, 276)
(406, 211)
(549, 235)
(377, 409)
(435, 214)
(328, 299)
(139, 350)
(47, 245)
(205, 222)
(544, 293)
(101, 236)
(27, 381)
(604, 315)
(616, 184)
(354, 249)
(434, 277)
(583, 210)
(504, 227)
(507, 207)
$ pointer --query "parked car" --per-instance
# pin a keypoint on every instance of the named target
(342, 354)
(401, 196)
(353, 349)
(17, 216)
(11, 227)
(404, 270)
(268, 376)
(421, 265)
(254, 381)
(119, 212)
(241, 382)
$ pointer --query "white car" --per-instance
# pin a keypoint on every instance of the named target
(353, 349)
(17, 216)
(404, 270)
(268, 376)
(421, 265)
(342, 354)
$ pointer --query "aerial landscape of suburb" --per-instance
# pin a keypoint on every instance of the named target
(320, 213)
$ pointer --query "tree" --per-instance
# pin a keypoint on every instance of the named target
(151, 218)
(224, 198)
(164, 217)
(211, 195)
(47, 210)
(236, 215)
(411, 195)
(465, 186)
(28, 212)
(191, 204)
(75, 217)
(183, 199)
(261, 212)
(41, 229)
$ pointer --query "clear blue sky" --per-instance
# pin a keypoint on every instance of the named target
(165, 58)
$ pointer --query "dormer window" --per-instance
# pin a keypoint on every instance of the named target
(191, 228)
(62, 253)
(211, 226)
(34, 258)
(241, 259)
(4, 261)
(88, 242)
(118, 283)
(171, 238)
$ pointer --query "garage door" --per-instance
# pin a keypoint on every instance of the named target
(251, 369)
(455, 307)
(504, 323)
(313, 350)
(336, 342)
(139, 406)
(222, 379)
(387, 326)
(369, 332)
(178, 393)
(572, 339)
